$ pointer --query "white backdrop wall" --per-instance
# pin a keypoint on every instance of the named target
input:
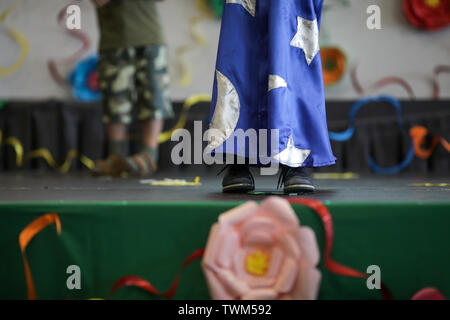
(397, 49)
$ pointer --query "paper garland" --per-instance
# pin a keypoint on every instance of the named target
(25, 237)
(319, 208)
(45, 154)
(438, 70)
(416, 139)
(418, 134)
(348, 133)
(40, 223)
(72, 59)
(327, 223)
(19, 38)
(182, 63)
(181, 123)
(133, 281)
(379, 84)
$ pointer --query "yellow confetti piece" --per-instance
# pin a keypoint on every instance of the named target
(174, 182)
(429, 185)
(335, 176)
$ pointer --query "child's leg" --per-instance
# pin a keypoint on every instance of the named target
(117, 138)
(116, 70)
(153, 102)
(150, 132)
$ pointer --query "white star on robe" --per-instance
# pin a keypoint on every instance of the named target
(307, 38)
(249, 5)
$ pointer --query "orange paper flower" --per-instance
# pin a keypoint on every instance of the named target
(260, 252)
(334, 64)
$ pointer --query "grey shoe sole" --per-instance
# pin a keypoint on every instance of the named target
(238, 188)
(299, 188)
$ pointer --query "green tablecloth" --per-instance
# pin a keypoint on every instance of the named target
(110, 240)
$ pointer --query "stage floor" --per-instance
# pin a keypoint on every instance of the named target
(51, 187)
(117, 227)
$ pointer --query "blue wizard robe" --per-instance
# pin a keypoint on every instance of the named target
(269, 76)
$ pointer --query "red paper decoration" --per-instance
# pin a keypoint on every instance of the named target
(428, 14)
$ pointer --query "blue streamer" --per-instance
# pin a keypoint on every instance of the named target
(347, 134)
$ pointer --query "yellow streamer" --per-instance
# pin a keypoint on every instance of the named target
(46, 155)
(89, 163)
(19, 38)
(18, 148)
(65, 167)
(193, 100)
(185, 70)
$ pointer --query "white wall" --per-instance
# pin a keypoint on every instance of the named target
(398, 49)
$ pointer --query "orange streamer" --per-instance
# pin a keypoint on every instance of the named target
(26, 235)
(418, 134)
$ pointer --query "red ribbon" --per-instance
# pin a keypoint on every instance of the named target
(82, 36)
(330, 264)
(327, 223)
(437, 71)
(380, 83)
(133, 281)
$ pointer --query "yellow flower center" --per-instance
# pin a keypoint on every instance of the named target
(433, 3)
(257, 263)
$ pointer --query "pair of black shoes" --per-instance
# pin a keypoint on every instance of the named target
(239, 179)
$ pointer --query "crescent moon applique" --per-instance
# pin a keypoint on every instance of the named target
(249, 5)
(226, 112)
(276, 82)
(307, 38)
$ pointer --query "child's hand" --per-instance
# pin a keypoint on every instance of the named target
(100, 3)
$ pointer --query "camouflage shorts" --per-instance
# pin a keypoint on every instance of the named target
(134, 83)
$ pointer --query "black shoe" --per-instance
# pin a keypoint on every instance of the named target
(238, 179)
(295, 180)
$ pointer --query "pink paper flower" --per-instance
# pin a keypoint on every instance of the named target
(428, 294)
(260, 252)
